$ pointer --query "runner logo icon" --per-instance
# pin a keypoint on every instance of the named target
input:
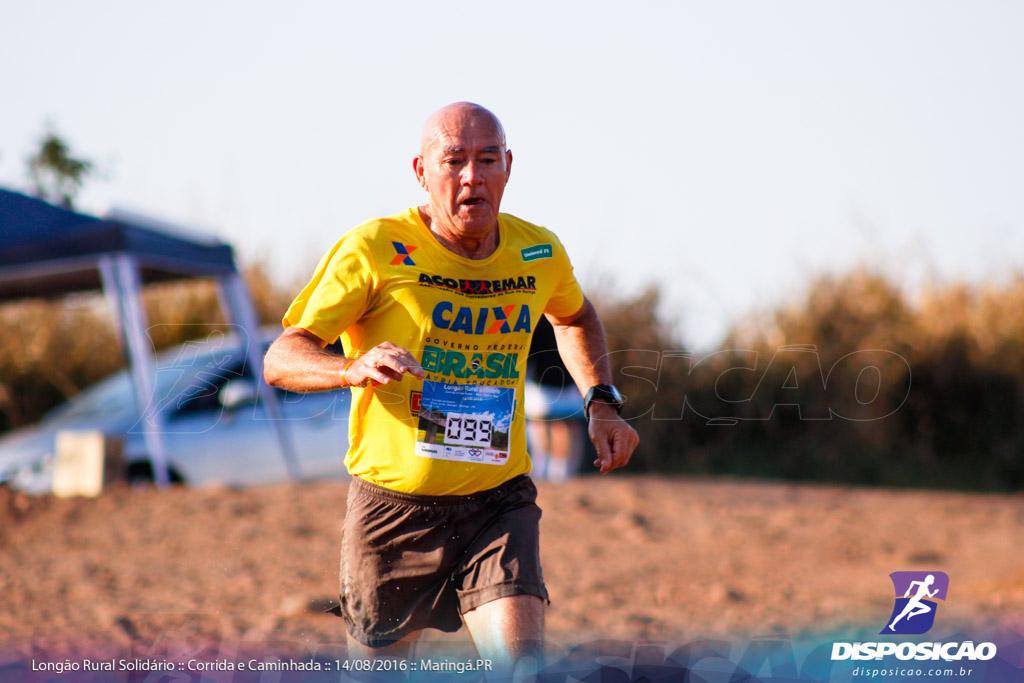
(916, 595)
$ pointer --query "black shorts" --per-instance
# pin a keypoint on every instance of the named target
(410, 562)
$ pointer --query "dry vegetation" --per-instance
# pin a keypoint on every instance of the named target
(945, 408)
(51, 350)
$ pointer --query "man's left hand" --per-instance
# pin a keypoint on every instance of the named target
(613, 438)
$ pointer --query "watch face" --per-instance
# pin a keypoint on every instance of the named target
(606, 393)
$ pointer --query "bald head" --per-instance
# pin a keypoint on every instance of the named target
(457, 117)
(463, 165)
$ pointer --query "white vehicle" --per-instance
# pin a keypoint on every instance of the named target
(214, 429)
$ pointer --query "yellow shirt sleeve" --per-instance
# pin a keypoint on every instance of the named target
(340, 293)
(567, 298)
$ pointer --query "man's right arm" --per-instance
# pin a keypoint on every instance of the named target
(297, 361)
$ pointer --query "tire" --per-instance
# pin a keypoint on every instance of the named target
(140, 473)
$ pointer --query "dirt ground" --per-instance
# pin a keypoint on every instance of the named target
(624, 557)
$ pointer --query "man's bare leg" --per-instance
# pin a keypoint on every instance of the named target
(401, 649)
(509, 629)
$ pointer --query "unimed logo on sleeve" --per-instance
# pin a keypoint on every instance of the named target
(917, 594)
(537, 251)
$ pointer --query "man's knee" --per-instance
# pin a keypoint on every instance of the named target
(509, 630)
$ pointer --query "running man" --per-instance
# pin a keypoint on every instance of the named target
(435, 307)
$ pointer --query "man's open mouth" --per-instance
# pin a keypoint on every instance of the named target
(472, 201)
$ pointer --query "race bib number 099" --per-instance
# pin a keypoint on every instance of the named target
(465, 422)
(469, 430)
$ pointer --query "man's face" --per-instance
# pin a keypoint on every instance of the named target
(464, 166)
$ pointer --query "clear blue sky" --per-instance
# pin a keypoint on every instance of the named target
(728, 150)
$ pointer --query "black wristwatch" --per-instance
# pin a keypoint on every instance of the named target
(606, 393)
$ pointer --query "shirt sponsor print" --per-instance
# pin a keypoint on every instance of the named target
(482, 319)
(537, 251)
(493, 365)
(402, 257)
(480, 288)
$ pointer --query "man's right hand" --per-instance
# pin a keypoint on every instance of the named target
(613, 438)
(383, 364)
(298, 362)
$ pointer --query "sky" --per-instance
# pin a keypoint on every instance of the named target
(727, 151)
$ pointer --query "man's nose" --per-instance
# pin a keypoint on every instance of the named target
(473, 174)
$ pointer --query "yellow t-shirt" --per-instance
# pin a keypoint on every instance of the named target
(469, 322)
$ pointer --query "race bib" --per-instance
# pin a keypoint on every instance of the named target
(465, 422)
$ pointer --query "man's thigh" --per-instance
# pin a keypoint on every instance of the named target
(502, 559)
(396, 562)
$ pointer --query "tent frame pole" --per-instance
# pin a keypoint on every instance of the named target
(235, 294)
(123, 289)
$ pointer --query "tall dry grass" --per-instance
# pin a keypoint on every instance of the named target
(784, 397)
(945, 407)
(51, 350)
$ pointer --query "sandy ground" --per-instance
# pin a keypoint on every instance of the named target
(624, 557)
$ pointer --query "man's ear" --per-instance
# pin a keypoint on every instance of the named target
(508, 164)
(418, 168)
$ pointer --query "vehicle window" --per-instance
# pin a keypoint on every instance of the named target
(188, 381)
(109, 397)
(199, 392)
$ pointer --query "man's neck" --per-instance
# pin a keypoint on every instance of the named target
(468, 246)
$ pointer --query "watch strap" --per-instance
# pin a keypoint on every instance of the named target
(605, 393)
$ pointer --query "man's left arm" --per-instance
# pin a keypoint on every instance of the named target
(584, 350)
